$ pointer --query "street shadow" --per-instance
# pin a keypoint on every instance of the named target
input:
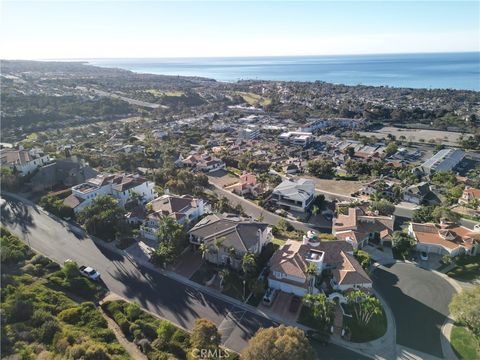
(418, 325)
(17, 214)
(166, 297)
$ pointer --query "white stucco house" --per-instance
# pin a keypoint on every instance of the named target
(23, 161)
(120, 186)
(183, 209)
(294, 195)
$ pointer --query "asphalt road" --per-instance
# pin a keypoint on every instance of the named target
(419, 300)
(159, 294)
(256, 211)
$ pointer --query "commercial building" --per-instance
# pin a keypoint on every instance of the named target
(444, 160)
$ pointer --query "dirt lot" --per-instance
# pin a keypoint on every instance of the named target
(222, 178)
(414, 135)
(343, 187)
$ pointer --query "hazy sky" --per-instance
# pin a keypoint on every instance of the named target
(89, 29)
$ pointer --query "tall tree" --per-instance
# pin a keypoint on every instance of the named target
(103, 217)
(279, 343)
(249, 265)
(205, 335)
(402, 242)
(364, 306)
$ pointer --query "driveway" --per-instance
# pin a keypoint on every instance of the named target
(419, 301)
(382, 257)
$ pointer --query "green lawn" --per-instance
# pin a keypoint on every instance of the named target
(465, 344)
(375, 328)
(467, 269)
(254, 99)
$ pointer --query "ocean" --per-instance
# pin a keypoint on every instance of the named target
(432, 70)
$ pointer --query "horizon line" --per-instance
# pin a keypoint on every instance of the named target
(240, 56)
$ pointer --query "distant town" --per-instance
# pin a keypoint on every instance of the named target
(170, 214)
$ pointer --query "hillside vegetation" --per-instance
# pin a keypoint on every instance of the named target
(39, 320)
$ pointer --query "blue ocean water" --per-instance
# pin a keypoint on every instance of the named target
(433, 70)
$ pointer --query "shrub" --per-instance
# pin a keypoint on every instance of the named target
(71, 316)
(47, 331)
(96, 352)
(77, 351)
(181, 337)
(123, 323)
(133, 312)
(166, 330)
(40, 316)
(148, 330)
(40, 260)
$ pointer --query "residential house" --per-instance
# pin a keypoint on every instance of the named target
(289, 264)
(23, 161)
(470, 196)
(358, 228)
(247, 185)
(229, 237)
(201, 162)
(294, 195)
(184, 209)
(417, 193)
(120, 186)
(445, 238)
(383, 187)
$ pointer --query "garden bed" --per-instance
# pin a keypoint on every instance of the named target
(464, 343)
(375, 329)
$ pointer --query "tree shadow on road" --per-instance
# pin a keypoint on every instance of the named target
(17, 214)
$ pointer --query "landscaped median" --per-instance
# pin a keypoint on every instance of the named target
(160, 339)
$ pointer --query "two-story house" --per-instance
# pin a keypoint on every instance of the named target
(358, 228)
(229, 237)
(290, 266)
(23, 161)
(470, 196)
(294, 195)
(119, 186)
(183, 209)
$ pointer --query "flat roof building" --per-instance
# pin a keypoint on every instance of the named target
(444, 160)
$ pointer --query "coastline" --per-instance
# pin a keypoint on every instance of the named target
(454, 71)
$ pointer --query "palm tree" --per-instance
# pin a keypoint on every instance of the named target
(311, 272)
(249, 264)
(204, 249)
(218, 244)
(224, 276)
(232, 253)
